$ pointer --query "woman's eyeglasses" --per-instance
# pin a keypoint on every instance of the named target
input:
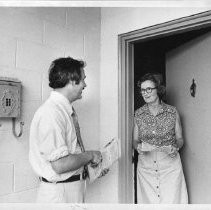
(147, 90)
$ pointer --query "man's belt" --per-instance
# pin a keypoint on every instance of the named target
(70, 179)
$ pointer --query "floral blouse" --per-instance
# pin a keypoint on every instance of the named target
(157, 130)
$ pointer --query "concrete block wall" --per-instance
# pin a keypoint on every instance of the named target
(30, 38)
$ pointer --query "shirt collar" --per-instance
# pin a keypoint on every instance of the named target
(163, 108)
(58, 98)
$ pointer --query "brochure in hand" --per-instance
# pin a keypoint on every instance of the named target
(110, 154)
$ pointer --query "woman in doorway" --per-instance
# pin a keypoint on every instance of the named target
(158, 138)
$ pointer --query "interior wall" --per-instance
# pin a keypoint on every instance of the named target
(148, 58)
(192, 61)
(115, 21)
(30, 39)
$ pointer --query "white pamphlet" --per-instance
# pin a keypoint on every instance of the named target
(110, 154)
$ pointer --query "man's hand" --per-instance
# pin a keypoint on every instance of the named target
(96, 158)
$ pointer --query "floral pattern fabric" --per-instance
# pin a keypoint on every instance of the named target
(157, 130)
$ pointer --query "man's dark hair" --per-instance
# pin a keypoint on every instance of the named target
(63, 70)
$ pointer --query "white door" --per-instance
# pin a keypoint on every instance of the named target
(188, 62)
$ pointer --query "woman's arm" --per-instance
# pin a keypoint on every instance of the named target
(178, 132)
(135, 136)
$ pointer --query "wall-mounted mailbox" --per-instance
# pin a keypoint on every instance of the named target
(10, 97)
(10, 101)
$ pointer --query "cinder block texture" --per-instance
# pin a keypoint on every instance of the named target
(36, 57)
(54, 35)
(31, 38)
(28, 196)
(7, 50)
(24, 178)
(20, 24)
(30, 81)
(12, 148)
(6, 178)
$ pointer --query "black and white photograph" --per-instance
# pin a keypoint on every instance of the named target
(105, 105)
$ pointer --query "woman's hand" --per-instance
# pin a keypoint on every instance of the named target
(139, 146)
(173, 152)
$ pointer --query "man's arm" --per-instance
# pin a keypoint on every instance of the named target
(75, 161)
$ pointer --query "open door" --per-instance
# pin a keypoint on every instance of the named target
(127, 43)
(192, 61)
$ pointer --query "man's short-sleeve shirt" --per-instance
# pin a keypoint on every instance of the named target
(52, 136)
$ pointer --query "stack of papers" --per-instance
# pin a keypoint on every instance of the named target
(110, 154)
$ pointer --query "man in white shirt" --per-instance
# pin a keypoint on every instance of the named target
(56, 153)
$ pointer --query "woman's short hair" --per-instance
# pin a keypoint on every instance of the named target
(156, 78)
(63, 70)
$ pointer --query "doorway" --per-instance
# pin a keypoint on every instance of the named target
(140, 51)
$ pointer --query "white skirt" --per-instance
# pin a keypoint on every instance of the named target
(160, 179)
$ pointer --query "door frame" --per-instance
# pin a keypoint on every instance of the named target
(126, 43)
